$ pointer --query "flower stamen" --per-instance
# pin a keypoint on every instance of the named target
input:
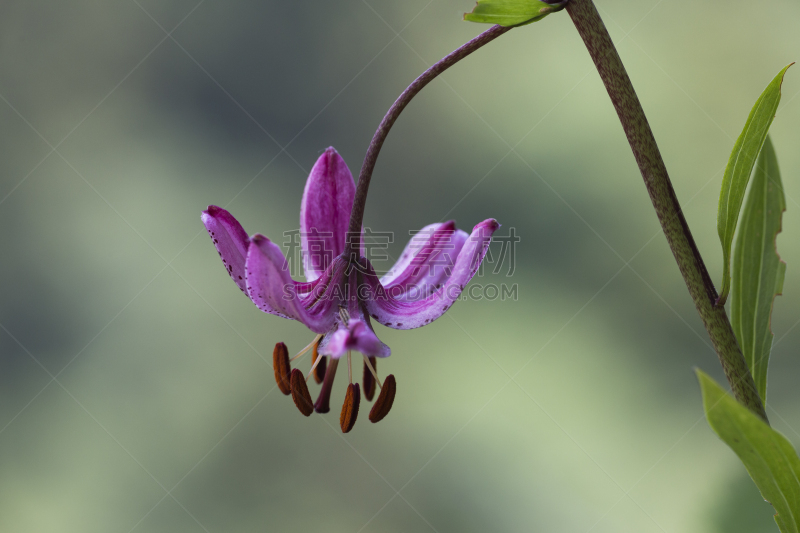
(350, 408)
(300, 395)
(282, 367)
(385, 400)
(313, 371)
(319, 367)
(307, 348)
(370, 377)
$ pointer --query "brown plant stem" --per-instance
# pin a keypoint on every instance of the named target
(609, 65)
(357, 215)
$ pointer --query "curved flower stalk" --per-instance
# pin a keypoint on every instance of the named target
(342, 292)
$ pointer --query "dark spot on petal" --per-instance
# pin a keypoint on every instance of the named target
(399, 323)
(240, 277)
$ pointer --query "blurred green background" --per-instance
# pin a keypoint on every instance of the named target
(136, 392)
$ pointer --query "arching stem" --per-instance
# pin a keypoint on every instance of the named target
(357, 215)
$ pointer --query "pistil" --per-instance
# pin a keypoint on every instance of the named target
(323, 401)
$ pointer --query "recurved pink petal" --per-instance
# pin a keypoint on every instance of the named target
(426, 263)
(272, 289)
(398, 313)
(325, 212)
(230, 239)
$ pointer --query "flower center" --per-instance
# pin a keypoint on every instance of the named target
(294, 382)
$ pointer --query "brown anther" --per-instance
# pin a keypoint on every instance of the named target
(385, 400)
(319, 370)
(369, 379)
(323, 401)
(282, 367)
(300, 395)
(350, 408)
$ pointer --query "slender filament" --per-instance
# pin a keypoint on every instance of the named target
(307, 348)
(371, 369)
(314, 367)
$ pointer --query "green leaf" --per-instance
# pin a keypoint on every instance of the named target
(768, 456)
(511, 12)
(758, 271)
(737, 173)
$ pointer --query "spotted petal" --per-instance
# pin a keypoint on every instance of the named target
(272, 289)
(402, 314)
(325, 212)
(230, 239)
(426, 263)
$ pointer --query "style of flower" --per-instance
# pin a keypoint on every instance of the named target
(342, 292)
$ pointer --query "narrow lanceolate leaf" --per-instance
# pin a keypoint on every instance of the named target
(768, 456)
(737, 173)
(511, 12)
(758, 271)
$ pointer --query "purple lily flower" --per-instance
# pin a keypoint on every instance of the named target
(342, 292)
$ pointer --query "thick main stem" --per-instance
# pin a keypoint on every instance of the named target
(594, 34)
(357, 215)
